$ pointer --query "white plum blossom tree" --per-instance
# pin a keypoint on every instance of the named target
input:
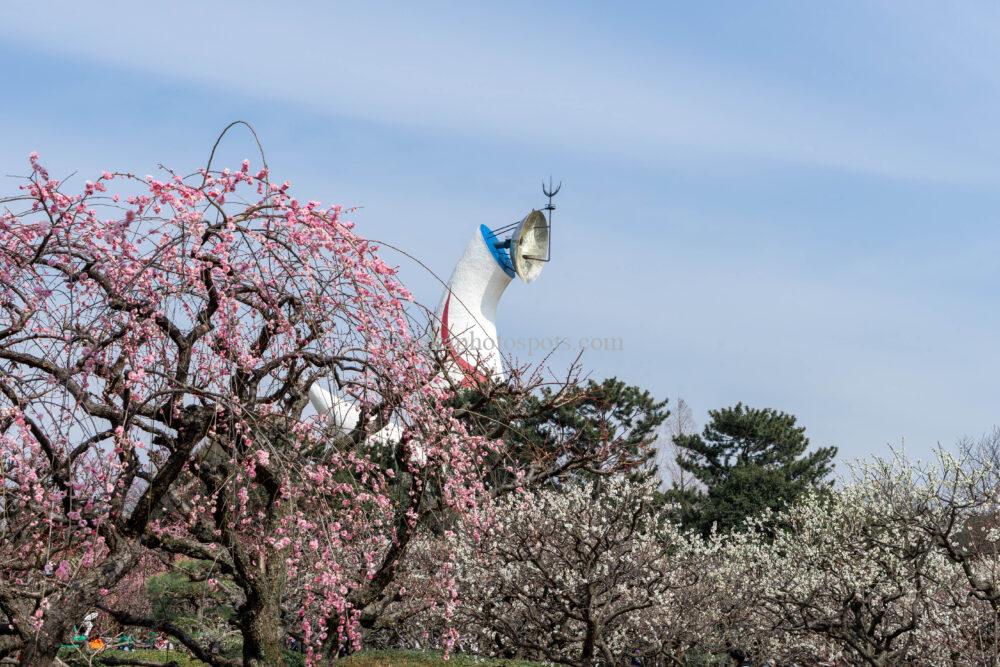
(578, 575)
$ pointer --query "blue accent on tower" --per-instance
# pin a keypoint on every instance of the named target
(500, 254)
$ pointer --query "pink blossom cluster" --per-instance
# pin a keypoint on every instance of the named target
(158, 337)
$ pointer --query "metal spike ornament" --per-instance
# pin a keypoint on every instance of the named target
(492, 258)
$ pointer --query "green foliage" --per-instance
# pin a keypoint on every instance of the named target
(188, 596)
(747, 460)
(555, 436)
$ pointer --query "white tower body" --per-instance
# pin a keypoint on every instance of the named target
(466, 317)
(344, 414)
(465, 328)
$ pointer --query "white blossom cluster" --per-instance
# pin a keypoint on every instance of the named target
(901, 566)
(587, 573)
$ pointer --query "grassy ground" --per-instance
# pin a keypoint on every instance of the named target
(427, 659)
(165, 657)
(363, 659)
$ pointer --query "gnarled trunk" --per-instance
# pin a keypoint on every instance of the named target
(69, 607)
(43, 650)
(590, 638)
(260, 625)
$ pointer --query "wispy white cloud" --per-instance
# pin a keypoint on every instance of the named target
(491, 75)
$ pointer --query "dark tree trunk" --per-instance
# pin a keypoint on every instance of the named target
(71, 605)
(589, 645)
(261, 627)
(42, 652)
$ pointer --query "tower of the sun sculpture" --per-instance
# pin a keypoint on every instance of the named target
(465, 323)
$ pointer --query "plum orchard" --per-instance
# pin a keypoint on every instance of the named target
(901, 566)
(156, 350)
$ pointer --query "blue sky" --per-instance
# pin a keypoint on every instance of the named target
(790, 204)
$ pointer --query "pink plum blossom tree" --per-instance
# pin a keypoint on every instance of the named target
(158, 337)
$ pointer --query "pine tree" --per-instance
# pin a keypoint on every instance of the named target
(571, 433)
(748, 460)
